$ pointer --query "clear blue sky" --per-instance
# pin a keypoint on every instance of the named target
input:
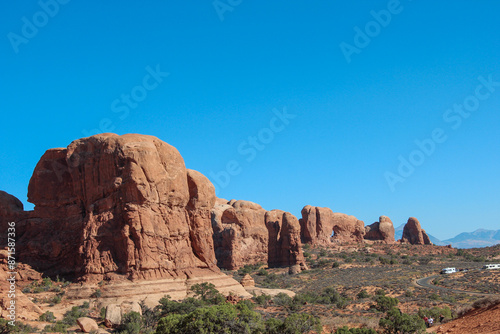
(67, 74)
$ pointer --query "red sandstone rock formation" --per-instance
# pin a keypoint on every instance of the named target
(245, 233)
(414, 234)
(111, 205)
(382, 230)
(317, 225)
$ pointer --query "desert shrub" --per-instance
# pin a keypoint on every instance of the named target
(408, 293)
(322, 263)
(424, 260)
(380, 292)
(270, 281)
(282, 299)
(384, 303)
(331, 296)
(75, 313)
(299, 323)
(224, 318)
(168, 306)
(132, 323)
(486, 302)
(262, 272)
(323, 252)
(273, 326)
(363, 294)
(58, 327)
(19, 327)
(397, 322)
(56, 299)
(263, 300)
(335, 264)
(246, 269)
(207, 293)
(48, 317)
(435, 312)
(434, 296)
(347, 330)
(96, 294)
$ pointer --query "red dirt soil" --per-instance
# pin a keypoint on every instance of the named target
(484, 320)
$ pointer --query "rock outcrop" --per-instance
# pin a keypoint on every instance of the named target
(247, 281)
(383, 230)
(318, 224)
(414, 234)
(245, 233)
(118, 205)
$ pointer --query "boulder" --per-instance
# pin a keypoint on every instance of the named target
(247, 281)
(87, 325)
(113, 316)
(111, 206)
(245, 233)
(414, 234)
(318, 224)
(383, 230)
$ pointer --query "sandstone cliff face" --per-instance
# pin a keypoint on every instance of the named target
(245, 233)
(414, 234)
(11, 210)
(317, 225)
(110, 204)
(383, 230)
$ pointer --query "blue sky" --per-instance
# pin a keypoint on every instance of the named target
(66, 71)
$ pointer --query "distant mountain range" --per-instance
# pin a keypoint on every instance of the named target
(478, 238)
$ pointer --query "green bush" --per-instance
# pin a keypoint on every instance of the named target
(96, 294)
(131, 324)
(396, 322)
(299, 323)
(363, 294)
(48, 317)
(75, 313)
(263, 300)
(347, 330)
(19, 327)
(224, 318)
(384, 303)
(58, 327)
(435, 313)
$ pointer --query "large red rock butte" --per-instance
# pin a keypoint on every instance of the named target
(112, 207)
(383, 230)
(245, 233)
(112, 204)
(317, 225)
(414, 234)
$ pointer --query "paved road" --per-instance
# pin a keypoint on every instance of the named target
(426, 283)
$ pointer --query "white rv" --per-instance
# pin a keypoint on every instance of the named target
(492, 266)
(448, 270)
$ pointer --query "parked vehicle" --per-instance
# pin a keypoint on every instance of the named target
(449, 270)
(492, 266)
